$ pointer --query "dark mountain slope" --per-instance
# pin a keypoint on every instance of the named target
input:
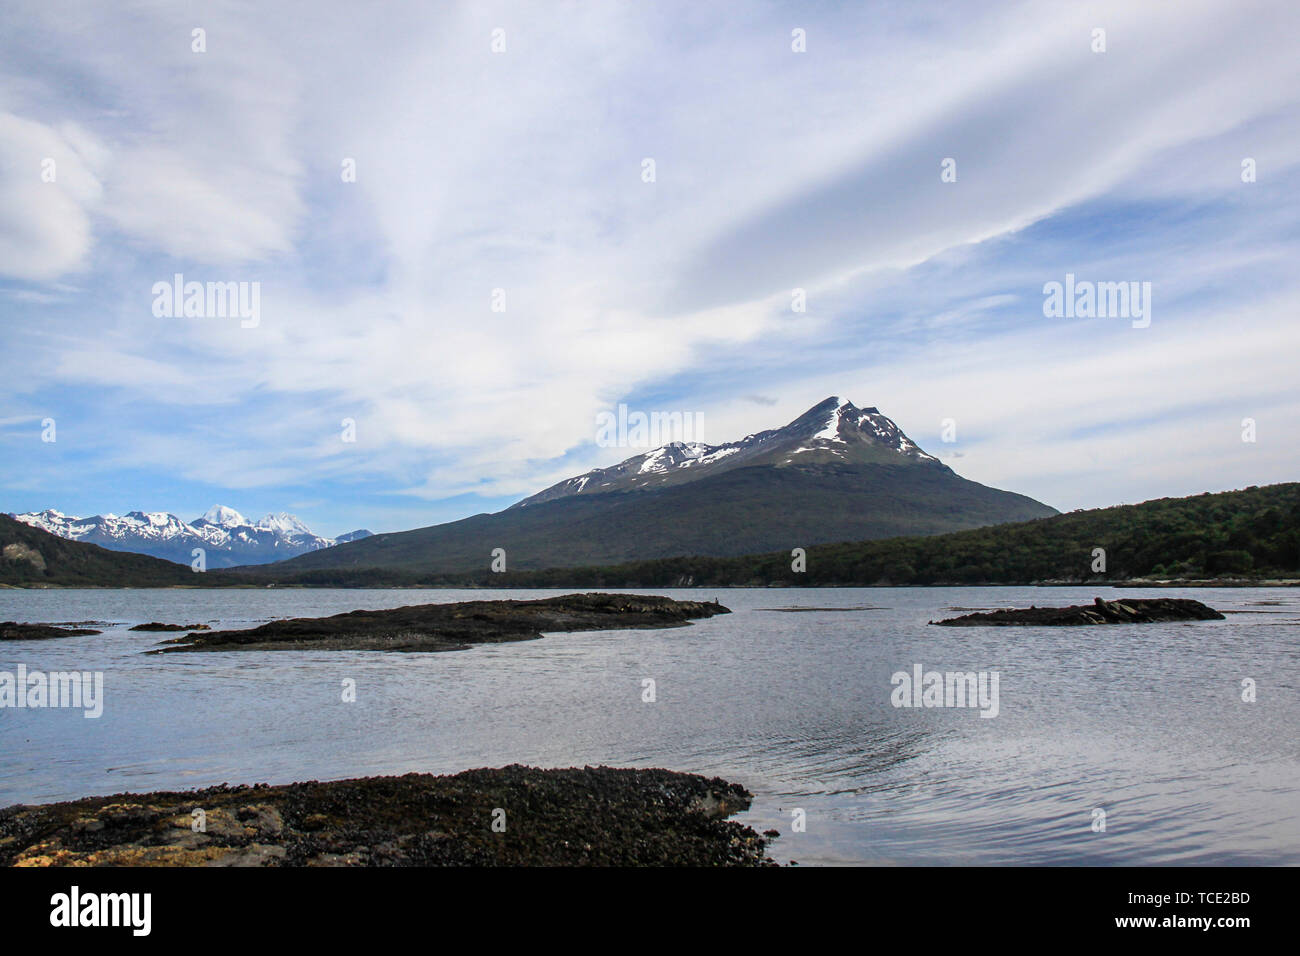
(739, 512)
(30, 557)
(1252, 533)
(836, 473)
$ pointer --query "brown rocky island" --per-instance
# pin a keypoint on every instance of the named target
(452, 627)
(594, 816)
(1124, 611)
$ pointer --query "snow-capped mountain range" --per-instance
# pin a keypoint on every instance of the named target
(226, 537)
(833, 430)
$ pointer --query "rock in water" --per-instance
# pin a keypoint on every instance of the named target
(453, 627)
(1124, 611)
(12, 631)
(158, 626)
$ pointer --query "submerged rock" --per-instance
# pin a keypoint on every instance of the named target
(513, 816)
(451, 627)
(1125, 611)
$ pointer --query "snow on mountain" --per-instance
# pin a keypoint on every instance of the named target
(284, 523)
(225, 517)
(831, 431)
(834, 430)
(226, 537)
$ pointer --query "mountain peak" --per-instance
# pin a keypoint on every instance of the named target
(284, 523)
(224, 517)
(836, 473)
(834, 432)
(837, 421)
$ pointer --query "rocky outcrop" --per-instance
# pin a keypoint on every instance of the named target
(12, 631)
(22, 552)
(1125, 611)
(451, 627)
(157, 626)
(513, 816)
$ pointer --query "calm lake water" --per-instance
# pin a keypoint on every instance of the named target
(1145, 723)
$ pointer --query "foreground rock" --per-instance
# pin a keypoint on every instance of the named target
(1125, 611)
(12, 631)
(452, 627)
(597, 816)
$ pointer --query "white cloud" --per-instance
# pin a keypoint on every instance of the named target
(48, 188)
(521, 172)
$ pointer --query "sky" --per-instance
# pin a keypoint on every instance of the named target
(462, 256)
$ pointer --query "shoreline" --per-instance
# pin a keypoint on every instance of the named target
(1099, 583)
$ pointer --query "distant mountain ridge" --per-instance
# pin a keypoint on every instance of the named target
(226, 536)
(837, 472)
(1253, 533)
